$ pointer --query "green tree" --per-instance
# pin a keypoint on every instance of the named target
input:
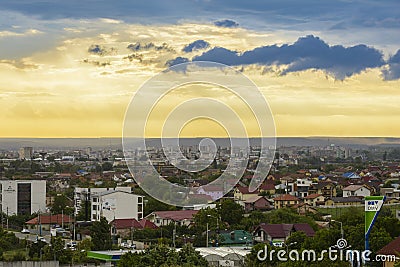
(101, 235)
(55, 251)
(162, 255)
(61, 205)
(80, 255)
(230, 212)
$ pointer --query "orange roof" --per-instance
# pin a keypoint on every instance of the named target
(286, 197)
(312, 196)
(51, 219)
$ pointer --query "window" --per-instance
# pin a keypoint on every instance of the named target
(94, 207)
(24, 198)
(95, 199)
(94, 216)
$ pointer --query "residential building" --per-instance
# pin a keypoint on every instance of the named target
(300, 187)
(181, 217)
(314, 200)
(325, 188)
(22, 196)
(393, 248)
(46, 222)
(243, 193)
(235, 238)
(285, 201)
(344, 201)
(124, 227)
(84, 194)
(260, 203)
(390, 192)
(278, 233)
(115, 204)
(356, 191)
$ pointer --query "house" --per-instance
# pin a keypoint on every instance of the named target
(124, 227)
(304, 209)
(181, 217)
(344, 201)
(235, 238)
(243, 193)
(300, 187)
(325, 188)
(390, 192)
(46, 222)
(356, 191)
(278, 233)
(285, 201)
(314, 200)
(267, 187)
(257, 203)
(393, 248)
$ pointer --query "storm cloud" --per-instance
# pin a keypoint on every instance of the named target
(309, 52)
(196, 45)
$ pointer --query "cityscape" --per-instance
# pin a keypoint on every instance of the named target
(210, 133)
(87, 202)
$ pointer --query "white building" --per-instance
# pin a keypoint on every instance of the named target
(356, 191)
(111, 203)
(22, 196)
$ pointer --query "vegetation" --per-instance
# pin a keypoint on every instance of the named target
(161, 255)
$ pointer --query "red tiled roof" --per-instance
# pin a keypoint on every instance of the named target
(286, 197)
(176, 215)
(147, 224)
(312, 196)
(267, 186)
(245, 190)
(126, 223)
(51, 219)
(393, 248)
(275, 230)
(304, 227)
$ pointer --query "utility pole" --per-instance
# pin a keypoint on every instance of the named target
(7, 219)
(207, 236)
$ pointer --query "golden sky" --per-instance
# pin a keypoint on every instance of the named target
(65, 91)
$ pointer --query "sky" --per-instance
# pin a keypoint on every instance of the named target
(326, 68)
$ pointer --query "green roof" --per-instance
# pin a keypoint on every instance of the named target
(236, 237)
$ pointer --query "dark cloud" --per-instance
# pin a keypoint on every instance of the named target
(227, 23)
(175, 61)
(393, 70)
(100, 50)
(308, 52)
(196, 45)
(97, 63)
(148, 46)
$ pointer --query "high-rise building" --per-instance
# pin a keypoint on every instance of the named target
(111, 203)
(26, 153)
(22, 196)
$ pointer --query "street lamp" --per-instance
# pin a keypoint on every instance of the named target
(341, 228)
(217, 232)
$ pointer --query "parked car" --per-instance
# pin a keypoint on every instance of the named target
(25, 231)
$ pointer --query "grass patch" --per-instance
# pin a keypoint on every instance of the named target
(16, 253)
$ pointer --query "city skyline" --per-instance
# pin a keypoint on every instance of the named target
(326, 69)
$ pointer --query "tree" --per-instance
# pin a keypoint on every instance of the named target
(61, 205)
(80, 255)
(55, 251)
(230, 212)
(162, 255)
(101, 235)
